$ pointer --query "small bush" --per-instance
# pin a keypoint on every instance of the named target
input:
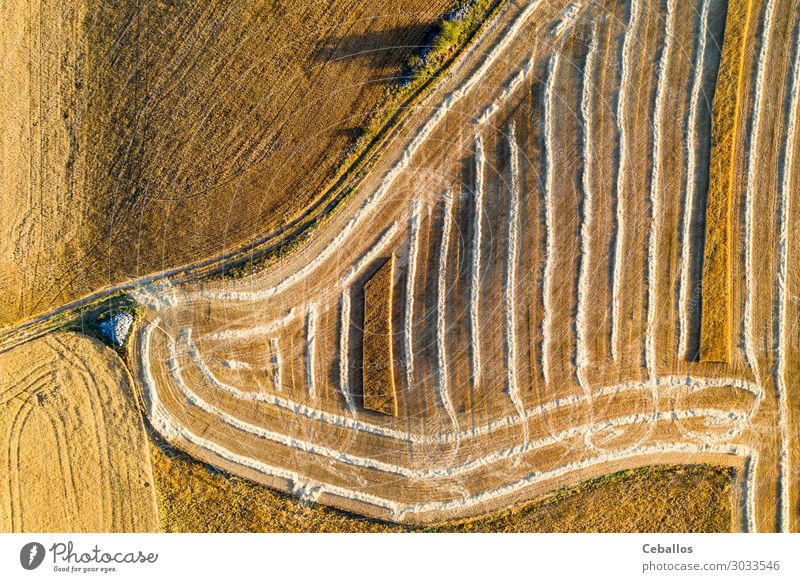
(461, 21)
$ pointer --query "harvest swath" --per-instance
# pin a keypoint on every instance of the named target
(716, 335)
(551, 274)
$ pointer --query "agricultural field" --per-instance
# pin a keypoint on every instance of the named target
(193, 497)
(75, 453)
(562, 281)
(138, 139)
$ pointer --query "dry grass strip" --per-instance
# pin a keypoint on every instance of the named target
(715, 332)
(378, 372)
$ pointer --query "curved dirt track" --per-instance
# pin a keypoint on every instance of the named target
(75, 455)
(544, 323)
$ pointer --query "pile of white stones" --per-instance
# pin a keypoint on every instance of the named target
(116, 328)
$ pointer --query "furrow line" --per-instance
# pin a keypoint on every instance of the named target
(443, 379)
(587, 217)
(311, 350)
(408, 322)
(344, 351)
(785, 212)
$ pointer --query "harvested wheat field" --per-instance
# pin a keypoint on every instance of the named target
(568, 258)
(140, 138)
(545, 289)
(75, 454)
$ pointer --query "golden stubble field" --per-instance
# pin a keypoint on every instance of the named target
(137, 138)
(75, 453)
(194, 497)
